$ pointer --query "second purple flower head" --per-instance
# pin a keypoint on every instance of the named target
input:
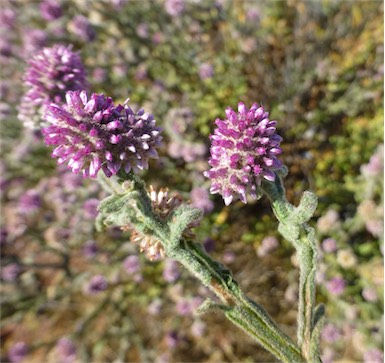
(244, 150)
(93, 134)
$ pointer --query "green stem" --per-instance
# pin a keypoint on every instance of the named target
(302, 238)
(238, 308)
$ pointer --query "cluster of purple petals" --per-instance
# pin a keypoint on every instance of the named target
(93, 134)
(51, 73)
(244, 150)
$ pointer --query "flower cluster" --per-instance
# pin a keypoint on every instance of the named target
(51, 73)
(244, 151)
(93, 134)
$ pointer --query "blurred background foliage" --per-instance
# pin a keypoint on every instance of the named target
(316, 65)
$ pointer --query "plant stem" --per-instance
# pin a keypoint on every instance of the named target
(302, 238)
(237, 307)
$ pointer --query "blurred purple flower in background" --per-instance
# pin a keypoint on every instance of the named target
(154, 307)
(268, 245)
(174, 7)
(66, 350)
(244, 149)
(206, 71)
(10, 272)
(82, 28)
(330, 333)
(7, 18)
(172, 339)
(373, 356)
(50, 9)
(200, 198)
(209, 244)
(336, 285)
(329, 245)
(198, 328)
(253, 15)
(17, 352)
(187, 306)
(328, 222)
(30, 202)
(34, 40)
(142, 30)
(171, 270)
(131, 264)
(97, 283)
(376, 163)
(51, 73)
(90, 208)
(94, 134)
(90, 249)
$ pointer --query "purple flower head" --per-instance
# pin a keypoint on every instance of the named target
(93, 134)
(51, 73)
(131, 264)
(50, 10)
(336, 285)
(17, 352)
(98, 283)
(244, 149)
(66, 350)
(171, 271)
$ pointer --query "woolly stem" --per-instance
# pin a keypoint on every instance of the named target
(293, 227)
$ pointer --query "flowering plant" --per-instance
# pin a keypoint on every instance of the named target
(93, 134)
